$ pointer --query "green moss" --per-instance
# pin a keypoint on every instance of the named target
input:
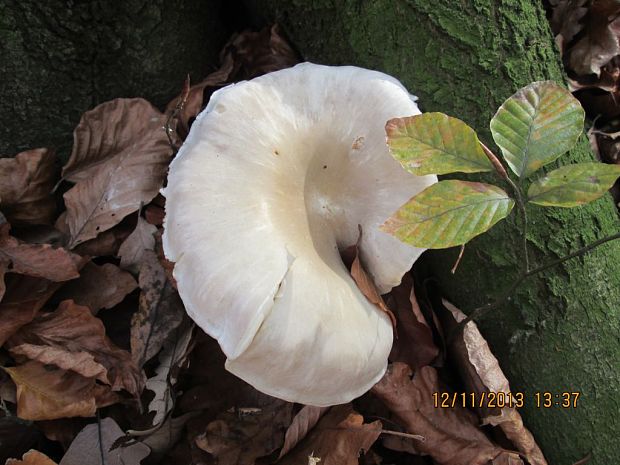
(560, 332)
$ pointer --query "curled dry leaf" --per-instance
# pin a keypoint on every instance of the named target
(72, 330)
(26, 184)
(240, 438)
(480, 372)
(99, 286)
(121, 154)
(46, 392)
(160, 311)
(302, 423)
(32, 457)
(96, 440)
(337, 439)
(38, 260)
(414, 345)
(132, 250)
(452, 436)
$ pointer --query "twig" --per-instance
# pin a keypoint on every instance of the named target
(480, 311)
(417, 437)
(458, 259)
(177, 109)
(501, 171)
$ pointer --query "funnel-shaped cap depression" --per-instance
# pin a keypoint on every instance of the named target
(275, 176)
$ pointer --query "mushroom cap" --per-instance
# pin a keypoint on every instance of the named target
(274, 178)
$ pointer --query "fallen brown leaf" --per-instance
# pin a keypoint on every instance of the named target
(72, 330)
(162, 438)
(160, 312)
(32, 457)
(480, 372)
(23, 299)
(365, 283)
(337, 439)
(46, 392)
(120, 158)
(241, 437)
(132, 250)
(26, 184)
(302, 423)
(452, 436)
(601, 39)
(38, 260)
(415, 345)
(99, 287)
(93, 446)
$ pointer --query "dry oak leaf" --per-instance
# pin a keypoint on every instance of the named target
(46, 392)
(337, 439)
(38, 260)
(32, 457)
(72, 330)
(452, 436)
(160, 312)
(480, 371)
(120, 158)
(132, 250)
(24, 297)
(242, 437)
(99, 286)
(26, 184)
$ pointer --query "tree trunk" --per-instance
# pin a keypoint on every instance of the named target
(60, 58)
(561, 332)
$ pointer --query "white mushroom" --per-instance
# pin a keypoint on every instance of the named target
(275, 177)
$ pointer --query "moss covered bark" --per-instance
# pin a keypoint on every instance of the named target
(562, 330)
(59, 58)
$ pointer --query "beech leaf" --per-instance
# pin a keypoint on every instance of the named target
(73, 329)
(536, 125)
(117, 170)
(26, 184)
(38, 260)
(133, 248)
(435, 143)
(47, 392)
(573, 185)
(99, 286)
(449, 213)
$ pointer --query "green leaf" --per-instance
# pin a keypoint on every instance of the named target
(537, 125)
(449, 213)
(434, 143)
(573, 185)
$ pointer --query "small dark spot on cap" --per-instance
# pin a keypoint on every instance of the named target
(324, 167)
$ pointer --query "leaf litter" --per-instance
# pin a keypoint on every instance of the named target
(101, 361)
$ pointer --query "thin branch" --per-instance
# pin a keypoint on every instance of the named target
(481, 311)
(521, 205)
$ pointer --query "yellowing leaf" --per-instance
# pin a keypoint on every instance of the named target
(536, 125)
(434, 143)
(449, 213)
(573, 185)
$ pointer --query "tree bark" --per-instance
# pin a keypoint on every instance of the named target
(561, 331)
(60, 58)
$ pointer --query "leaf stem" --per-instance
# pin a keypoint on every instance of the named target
(482, 310)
